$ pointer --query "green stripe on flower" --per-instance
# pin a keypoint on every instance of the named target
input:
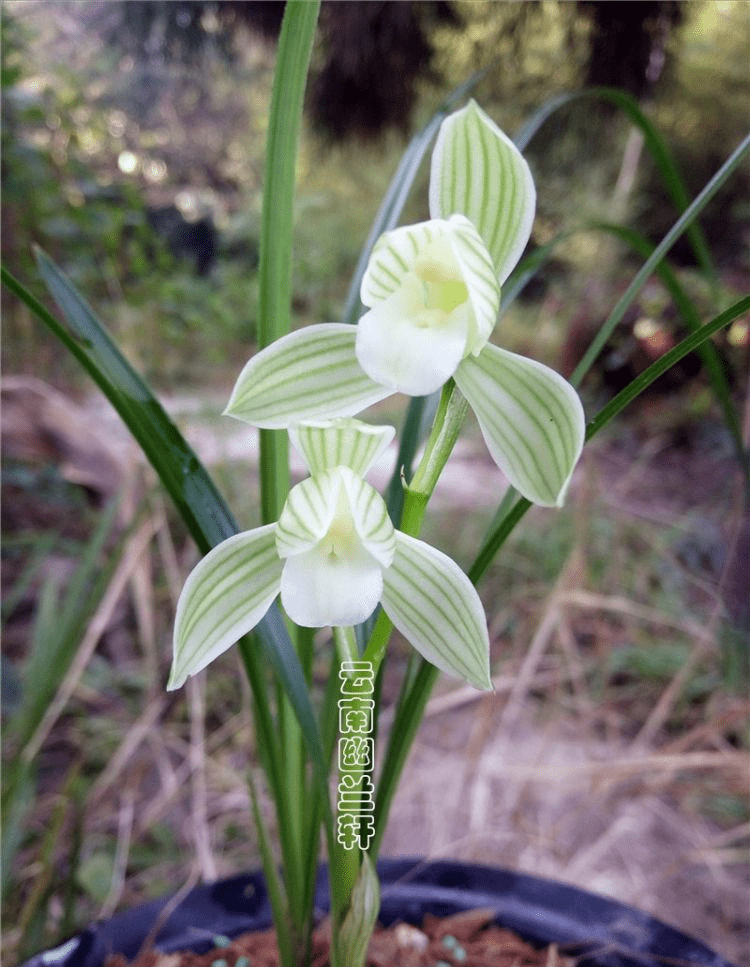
(311, 373)
(479, 172)
(434, 605)
(326, 444)
(531, 419)
(224, 597)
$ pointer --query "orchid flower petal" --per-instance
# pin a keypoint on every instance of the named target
(307, 514)
(434, 605)
(336, 537)
(531, 418)
(478, 171)
(224, 597)
(324, 444)
(369, 516)
(433, 299)
(448, 259)
(397, 350)
(319, 589)
(309, 374)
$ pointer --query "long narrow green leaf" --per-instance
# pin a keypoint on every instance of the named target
(60, 625)
(411, 702)
(655, 143)
(184, 477)
(199, 503)
(641, 277)
(688, 345)
(275, 267)
(532, 263)
(274, 886)
(706, 350)
(691, 343)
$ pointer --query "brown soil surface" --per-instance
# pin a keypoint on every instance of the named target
(463, 939)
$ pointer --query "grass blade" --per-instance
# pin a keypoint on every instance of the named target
(275, 268)
(185, 479)
(641, 277)
(655, 143)
(691, 343)
(415, 693)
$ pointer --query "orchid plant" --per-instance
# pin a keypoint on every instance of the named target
(432, 293)
(330, 548)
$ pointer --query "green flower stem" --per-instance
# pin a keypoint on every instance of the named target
(379, 638)
(449, 419)
(648, 267)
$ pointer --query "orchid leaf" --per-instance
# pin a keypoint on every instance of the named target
(479, 172)
(309, 374)
(340, 443)
(531, 419)
(224, 597)
(433, 604)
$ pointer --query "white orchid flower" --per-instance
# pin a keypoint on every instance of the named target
(333, 556)
(432, 292)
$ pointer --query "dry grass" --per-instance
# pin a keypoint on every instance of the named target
(584, 765)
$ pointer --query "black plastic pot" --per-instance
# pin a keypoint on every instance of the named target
(606, 933)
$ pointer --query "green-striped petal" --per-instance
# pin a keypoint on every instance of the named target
(444, 256)
(325, 444)
(531, 418)
(309, 374)
(339, 499)
(370, 516)
(478, 171)
(436, 608)
(307, 514)
(336, 537)
(224, 597)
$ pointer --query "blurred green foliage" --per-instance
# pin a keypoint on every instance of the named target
(93, 136)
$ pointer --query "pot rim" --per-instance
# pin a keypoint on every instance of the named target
(599, 930)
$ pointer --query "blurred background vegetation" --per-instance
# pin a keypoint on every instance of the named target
(133, 147)
(134, 138)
